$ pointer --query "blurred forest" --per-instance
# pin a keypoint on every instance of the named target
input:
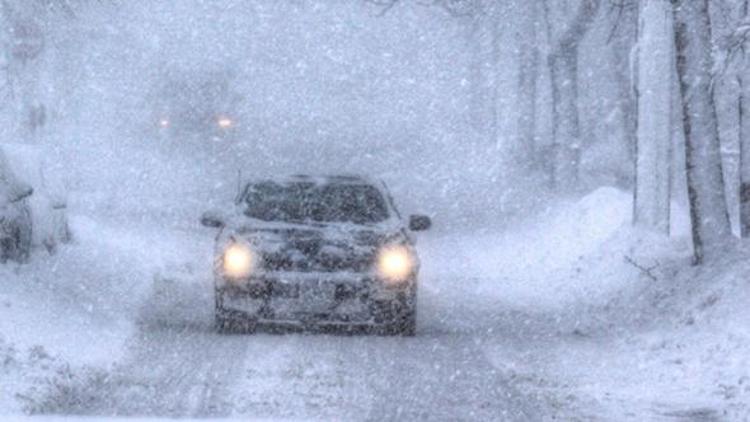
(472, 110)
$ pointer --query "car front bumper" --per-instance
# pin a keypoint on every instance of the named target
(302, 299)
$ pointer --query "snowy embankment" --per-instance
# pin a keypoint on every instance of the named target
(618, 322)
(77, 307)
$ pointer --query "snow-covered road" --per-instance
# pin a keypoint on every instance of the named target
(186, 369)
(536, 322)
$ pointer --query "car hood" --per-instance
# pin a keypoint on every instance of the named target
(316, 248)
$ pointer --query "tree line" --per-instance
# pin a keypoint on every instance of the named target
(672, 59)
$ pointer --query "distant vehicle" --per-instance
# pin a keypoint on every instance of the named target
(316, 251)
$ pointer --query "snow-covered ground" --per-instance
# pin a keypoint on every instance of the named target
(568, 315)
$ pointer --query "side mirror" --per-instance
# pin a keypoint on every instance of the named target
(22, 193)
(212, 219)
(418, 223)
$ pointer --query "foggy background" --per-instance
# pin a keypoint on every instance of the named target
(311, 86)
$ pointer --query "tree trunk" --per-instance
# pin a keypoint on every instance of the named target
(484, 72)
(744, 133)
(623, 42)
(478, 75)
(495, 78)
(708, 208)
(654, 129)
(523, 150)
(566, 31)
(566, 128)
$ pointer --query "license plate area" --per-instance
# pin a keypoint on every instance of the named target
(285, 290)
(311, 289)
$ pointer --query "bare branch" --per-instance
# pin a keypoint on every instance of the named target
(385, 5)
(648, 272)
(619, 7)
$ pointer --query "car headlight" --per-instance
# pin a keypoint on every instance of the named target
(239, 261)
(224, 122)
(395, 263)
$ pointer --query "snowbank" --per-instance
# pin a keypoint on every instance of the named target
(675, 343)
(81, 305)
(615, 320)
(571, 253)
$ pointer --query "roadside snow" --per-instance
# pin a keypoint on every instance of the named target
(625, 328)
(77, 307)
(571, 254)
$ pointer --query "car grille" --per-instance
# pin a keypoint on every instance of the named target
(285, 261)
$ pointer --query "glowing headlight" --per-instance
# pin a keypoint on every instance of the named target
(395, 263)
(224, 122)
(238, 261)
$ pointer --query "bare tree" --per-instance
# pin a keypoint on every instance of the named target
(655, 70)
(622, 39)
(740, 45)
(528, 73)
(566, 28)
(484, 48)
(708, 208)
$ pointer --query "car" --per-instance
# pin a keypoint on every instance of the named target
(47, 207)
(15, 215)
(316, 251)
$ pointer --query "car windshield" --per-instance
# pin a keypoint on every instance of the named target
(300, 202)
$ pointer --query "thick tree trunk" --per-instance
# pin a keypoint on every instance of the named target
(654, 129)
(566, 31)
(744, 134)
(623, 42)
(566, 128)
(484, 72)
(479, 75)
(525, 146)
(708, 207)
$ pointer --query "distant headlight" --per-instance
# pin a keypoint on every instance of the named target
(238, 261)
(395, 263)
(224, 122)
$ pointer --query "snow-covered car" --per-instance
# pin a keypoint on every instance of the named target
(316, 251)
(46, 207)
(15, 215)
